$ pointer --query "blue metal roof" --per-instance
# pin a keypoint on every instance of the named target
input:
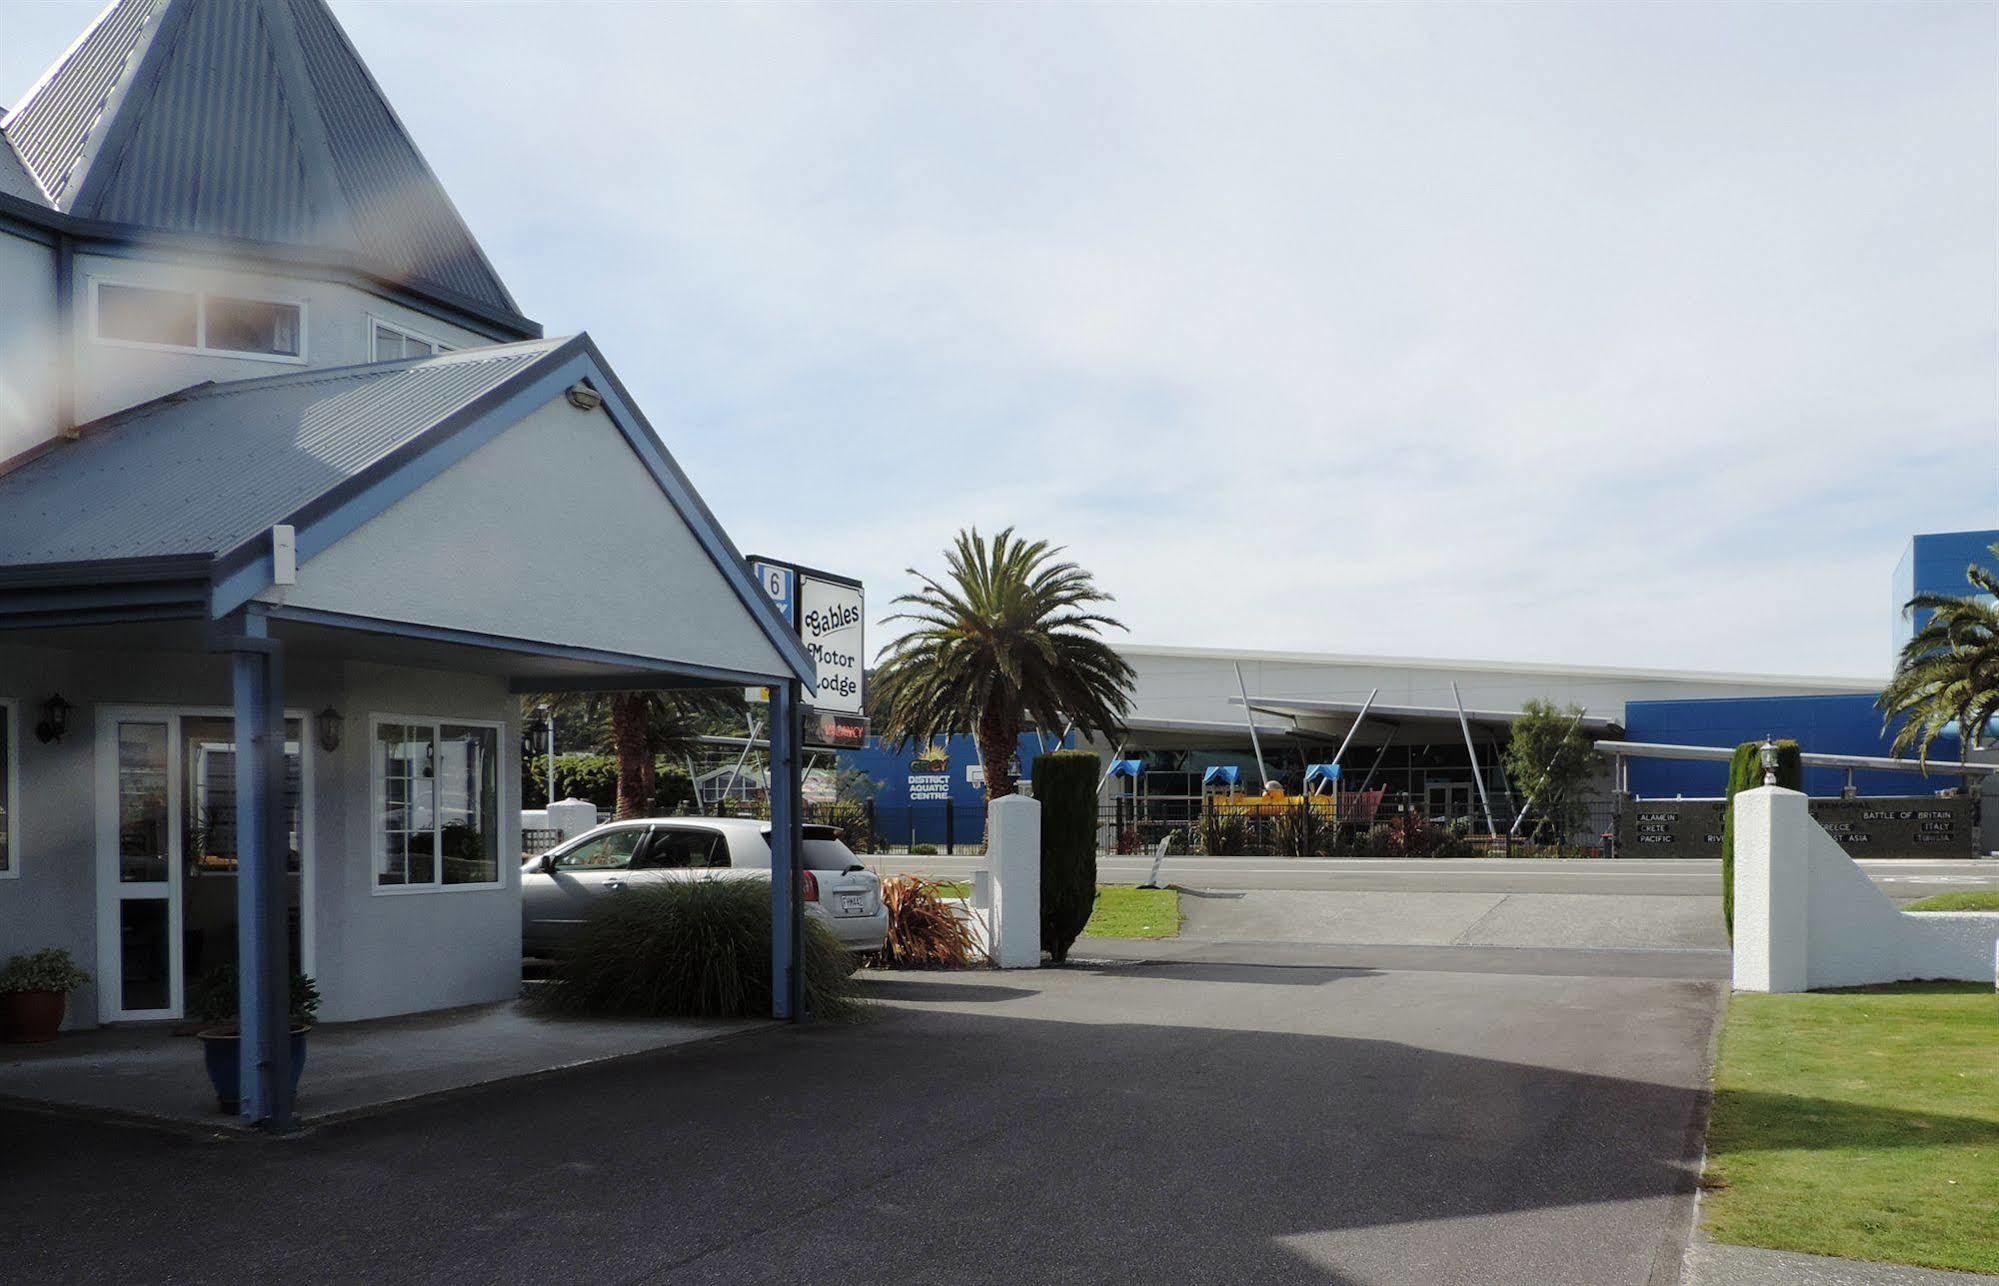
(253, 119)
(202, 471)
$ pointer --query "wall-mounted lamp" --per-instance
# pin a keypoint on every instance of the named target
(55, 720)
(331, 724)
(583, 397)
(1767, 752)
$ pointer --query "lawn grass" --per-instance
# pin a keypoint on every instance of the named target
(1968, 900)
(1122, 910)
(1127, 912)
(1862, 1123)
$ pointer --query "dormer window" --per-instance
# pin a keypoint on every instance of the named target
(194, 321)
(393, 343)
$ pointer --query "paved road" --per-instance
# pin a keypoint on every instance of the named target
(1633, 876)
(1238, 1116)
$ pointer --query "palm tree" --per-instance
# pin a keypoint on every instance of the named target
(1008, 634)
(1948, 673)
(643, 725)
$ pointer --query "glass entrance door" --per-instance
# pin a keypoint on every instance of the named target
(143, 931)
(168, 854)
(1449, 800)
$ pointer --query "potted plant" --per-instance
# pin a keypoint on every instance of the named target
(35, 989)
(213, 1001)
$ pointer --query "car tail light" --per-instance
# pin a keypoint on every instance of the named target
(808, 886)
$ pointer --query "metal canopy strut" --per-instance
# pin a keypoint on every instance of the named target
(787, 845)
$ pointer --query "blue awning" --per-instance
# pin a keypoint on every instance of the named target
(1221, 775)
(1127, 767)
(1322, 772)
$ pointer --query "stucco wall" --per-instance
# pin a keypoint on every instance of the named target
(372, 954)
(27, 343)
(1806, 916)
(401, 952)
(558, 499)
(111, 377)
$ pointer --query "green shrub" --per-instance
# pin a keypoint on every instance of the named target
(1066, 784)
(1745, 772)
(1299, 830)
(693, 949)
(50, 969)
(1221, 833)
(595, 778)
(214, 998)
(923, 850)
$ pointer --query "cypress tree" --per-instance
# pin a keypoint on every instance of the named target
(1745, 772)
(1065, 783)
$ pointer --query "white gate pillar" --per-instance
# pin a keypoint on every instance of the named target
(1013, 852)
(1772, 890)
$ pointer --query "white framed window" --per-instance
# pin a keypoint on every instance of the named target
(437, 801)
(389, 342)
(10, 787)
(221, 323)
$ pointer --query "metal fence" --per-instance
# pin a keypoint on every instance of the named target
(1321, 828)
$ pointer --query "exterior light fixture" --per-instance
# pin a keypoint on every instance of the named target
(55, 720)
(1767, 752)
(331, 724)
(583, 397)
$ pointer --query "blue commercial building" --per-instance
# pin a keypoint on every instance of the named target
(936, 793)
(1934, 564)
(1849, 724)
(1827, 725)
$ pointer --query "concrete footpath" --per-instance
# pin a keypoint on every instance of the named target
(1710, 1264)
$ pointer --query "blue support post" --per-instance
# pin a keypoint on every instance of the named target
(263, 946)
(787, 844)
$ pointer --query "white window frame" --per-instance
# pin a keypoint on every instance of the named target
(377, 799)
(201, 348)
(376, 319)
(10, 742)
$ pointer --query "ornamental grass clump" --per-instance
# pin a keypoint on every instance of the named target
(924, 931)
(693, 949)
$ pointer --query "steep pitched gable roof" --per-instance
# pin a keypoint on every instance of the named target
(253, 119)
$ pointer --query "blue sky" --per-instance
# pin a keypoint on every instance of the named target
(1616, 334)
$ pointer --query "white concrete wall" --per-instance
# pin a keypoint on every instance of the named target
(557, 500)
(373, 954)
(27, 344)
(337, 330)
(1807, 917)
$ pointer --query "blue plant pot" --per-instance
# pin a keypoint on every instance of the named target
(224, 1056)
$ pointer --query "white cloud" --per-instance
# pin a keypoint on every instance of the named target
(1609, 334)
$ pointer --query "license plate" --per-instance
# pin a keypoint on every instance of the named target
(853, 904)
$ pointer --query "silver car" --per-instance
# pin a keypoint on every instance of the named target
(560, 887)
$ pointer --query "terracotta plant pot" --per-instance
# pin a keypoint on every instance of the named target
(33, 1016)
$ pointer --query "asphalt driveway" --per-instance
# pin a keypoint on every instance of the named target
(1461, 1121)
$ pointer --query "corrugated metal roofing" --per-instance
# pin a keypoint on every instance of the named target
(215, 115)
(205, 471)
(14, 178)
(245, 118)
(51, 126)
